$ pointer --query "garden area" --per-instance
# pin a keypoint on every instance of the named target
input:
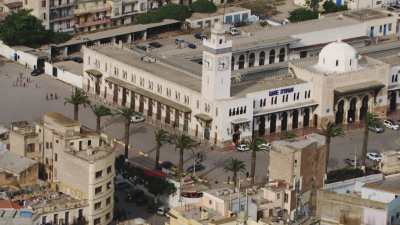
(313, 10)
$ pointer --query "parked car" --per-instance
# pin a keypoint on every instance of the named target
(374, 156)
(191, 45)
(242, 148)
(179, 41)
(137, 119)
(198, 167)
(73, 58)
(155, 44)
(352, 162)
(192, 194)
(200, 36)
(167, 165)
(37, 72)
(265, 146)
(234, 31)
(376, 128)
(390, 124)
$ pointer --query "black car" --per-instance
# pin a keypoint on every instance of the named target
(191, 45)
(155, 44)
(200, 36)
(167, 165)
(74, 58)
(37, 72)
(198, 167)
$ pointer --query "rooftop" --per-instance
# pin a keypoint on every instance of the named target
(70, 66)
(13, 163)
(390, 184)
(366, 14)
(152, 65)
(299, 143)
(61, 119)
(92, 154)
(198, 213)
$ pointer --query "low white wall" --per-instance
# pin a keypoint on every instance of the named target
(64, 75)
(23, 58)
(6, 51)
(352, 185)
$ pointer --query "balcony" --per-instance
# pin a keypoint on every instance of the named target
(93, 23)
(93, 9)
(64, 5)
(54, 17)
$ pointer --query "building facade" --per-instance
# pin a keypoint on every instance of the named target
(75, 160)
(57, 15)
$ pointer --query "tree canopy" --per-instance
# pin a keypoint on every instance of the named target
(330, 7)
(302, 14)
(21, 28)
(169, 11)
(203, 6)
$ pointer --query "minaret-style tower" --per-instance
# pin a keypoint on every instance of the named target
(216, 73)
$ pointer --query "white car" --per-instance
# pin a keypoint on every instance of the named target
(242, 148)
(374, 156)
(162, 211)
(265, 146)
(234, 31)
(390, 124)
(137, 119)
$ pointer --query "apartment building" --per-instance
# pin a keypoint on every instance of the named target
(75, 160)
(92, 15)
(124, 11)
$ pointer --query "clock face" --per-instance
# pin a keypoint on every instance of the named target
(223, 63)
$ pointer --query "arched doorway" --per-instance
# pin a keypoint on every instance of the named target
(233, 63)
(306, 117)
(339, 112)
(284, 121)
(261, 126)
(236, 134)
(281, 55)
(351, 113)
(295, 119)
(272, 124)
(241, 62)
(252, 59)
(272, 56)
(261, 59)
(392, 101)
(364, 107)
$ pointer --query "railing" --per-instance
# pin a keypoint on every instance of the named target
(93, 9)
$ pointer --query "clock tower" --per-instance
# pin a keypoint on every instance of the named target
(216, 71)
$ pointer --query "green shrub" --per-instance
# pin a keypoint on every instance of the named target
(302, 14)
(169, 11)
(330, 7)
(203, 6)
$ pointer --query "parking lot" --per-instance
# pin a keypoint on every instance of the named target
(19, 102)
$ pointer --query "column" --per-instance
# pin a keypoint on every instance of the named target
(357, 113)
(345, 110)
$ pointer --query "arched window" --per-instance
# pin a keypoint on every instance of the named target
(237, 111)
(244, 111)
(337, 62)
(230, 112)
(252, 59)
(233, 112)
(241, 110)
(261, 58)
(272, 56)
(281, 55)
(233, 63)
(241, 61)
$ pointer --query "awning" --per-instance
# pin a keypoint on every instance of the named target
(240, 121)
(94, 73)
(360, 87)
(203, 117)
(287, 108)
(149, 94)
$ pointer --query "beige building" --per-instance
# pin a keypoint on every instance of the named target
(16, 170)
(76, 161)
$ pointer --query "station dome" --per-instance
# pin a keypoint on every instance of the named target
(338, 57)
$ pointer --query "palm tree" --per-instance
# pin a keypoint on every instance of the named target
(161, 137)
(182, 143)
(330, 131)
(100, 111)
(369, 120)
(127, 114)
(78, 97)
(235, 166)
(254, 147)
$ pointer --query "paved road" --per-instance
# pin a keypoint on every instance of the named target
(29, 103)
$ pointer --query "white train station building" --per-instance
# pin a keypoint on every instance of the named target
(209, 102)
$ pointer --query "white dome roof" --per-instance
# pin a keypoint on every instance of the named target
(338, 57)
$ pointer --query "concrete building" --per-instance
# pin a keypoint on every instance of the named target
(16, 170)
(55, 15)
(9, 6)
(76, 161)
(378, 203)
(229, 15)
(92, 15)
(208, 100)
(300, 163)
(124, 11)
